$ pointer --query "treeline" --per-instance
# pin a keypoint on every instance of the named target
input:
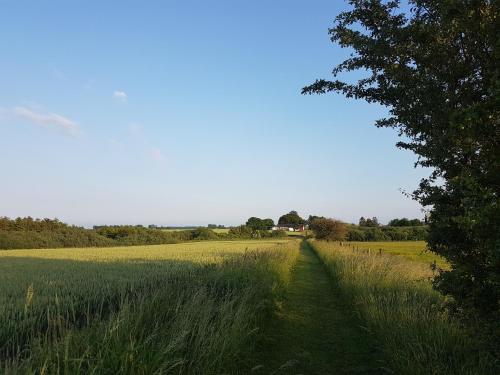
(245, 231)
(368, 230)
(387, 233)
(403, 229)
(29, 233)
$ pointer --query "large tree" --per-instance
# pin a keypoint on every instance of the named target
(292, 218)
(435, 65)
(257, 223)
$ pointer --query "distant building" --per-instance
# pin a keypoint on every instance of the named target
(290, 228)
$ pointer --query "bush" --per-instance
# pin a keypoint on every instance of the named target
(240, 232)
(329, 229)
(204, 234)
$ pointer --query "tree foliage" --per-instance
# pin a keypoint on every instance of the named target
(373, 222)
(387, 233)
(404, 222)
(259, 224)
(29, 233)
(329, 229)
(292, 218)
(245, 231)
(436, 68)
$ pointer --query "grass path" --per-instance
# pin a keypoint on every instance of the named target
(315, 332)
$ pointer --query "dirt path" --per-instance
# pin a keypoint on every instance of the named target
(315, 332)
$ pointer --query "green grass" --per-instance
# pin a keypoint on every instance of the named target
(182, 308)
(221, 230)
(395, 300)
(414, 250)
(314, 331)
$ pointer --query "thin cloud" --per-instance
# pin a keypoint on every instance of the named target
(157, 155)
(120, 95)
(52, 121)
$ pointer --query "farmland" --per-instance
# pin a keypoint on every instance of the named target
(184, 308)
(214, 307)
(414, 250)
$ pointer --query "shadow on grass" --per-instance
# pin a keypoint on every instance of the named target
(193, 316)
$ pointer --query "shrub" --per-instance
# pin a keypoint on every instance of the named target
(329, 229)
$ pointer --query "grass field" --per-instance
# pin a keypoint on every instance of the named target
(414, 250)
(227, 307)
(221, 230)
(295, 234)
(182, 308)
(398, 305)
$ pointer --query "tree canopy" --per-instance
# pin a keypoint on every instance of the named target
(256, 223)
(373, 222)
(292, 218)
(436, 68)
(329, 229)
(404, 222)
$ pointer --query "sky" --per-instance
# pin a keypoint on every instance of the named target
(186, 113)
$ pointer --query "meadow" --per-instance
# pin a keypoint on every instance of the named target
(180, 308)
(394, 298)
(413, 250)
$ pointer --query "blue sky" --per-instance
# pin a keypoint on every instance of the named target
(186, 112)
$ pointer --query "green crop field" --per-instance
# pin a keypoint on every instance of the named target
(295, 234)
(414, 250)
(229, 307)
(181, 308)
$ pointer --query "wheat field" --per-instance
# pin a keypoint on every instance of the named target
(181, 308)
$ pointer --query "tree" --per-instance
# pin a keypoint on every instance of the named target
(436, 69)
(268, 223)
(256, 223)
(311, 218)
(373, 222)
(404, 222)
(292, 218)
(329, 229)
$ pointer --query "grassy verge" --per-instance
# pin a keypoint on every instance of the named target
(152, 310)
(396, 302)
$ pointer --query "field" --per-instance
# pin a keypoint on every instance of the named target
(183, 308)
(221, 230)
(295, 234)
(395, 300)
(414, 250)
(229, 307)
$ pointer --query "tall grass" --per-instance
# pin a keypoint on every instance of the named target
(396, 302)
(156, 310)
